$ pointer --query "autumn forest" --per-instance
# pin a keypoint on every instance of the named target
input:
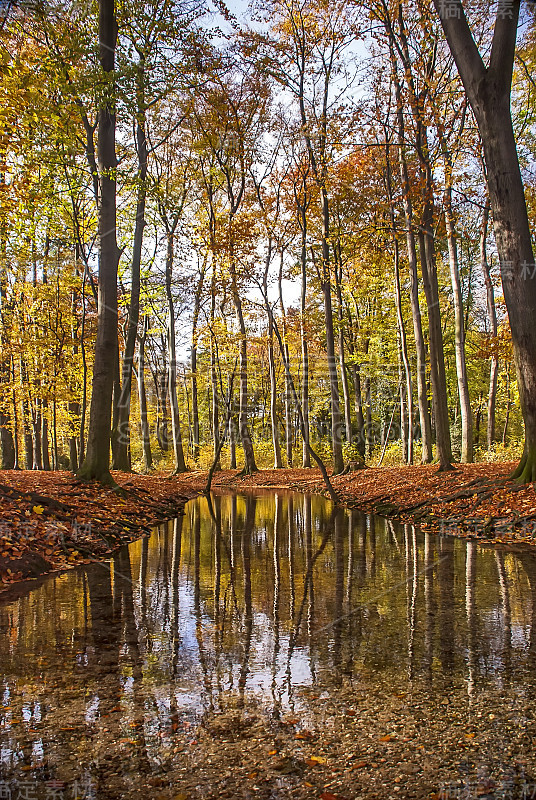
(296, 234)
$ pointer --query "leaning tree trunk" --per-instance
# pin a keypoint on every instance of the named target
(97, 461)
(342, 349)
(488, 90)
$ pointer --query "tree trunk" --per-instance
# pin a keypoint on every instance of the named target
(215, 409)
(488, 90)
(406, 391)
(422, 392)
(306, 458)
(435, 335)
(180, 464)
(145, 434)
(45, 450)
(492, 319)
(278, 461)
(459, 335)
(288, 397)
(342, 355)
(193, 367)
(336, 439)
(121, 433)
(243, 431)
(97, 462)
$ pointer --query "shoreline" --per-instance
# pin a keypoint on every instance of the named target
(51, 522)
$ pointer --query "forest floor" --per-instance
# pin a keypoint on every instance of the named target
(50, 521)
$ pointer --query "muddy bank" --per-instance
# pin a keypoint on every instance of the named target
(473, 501)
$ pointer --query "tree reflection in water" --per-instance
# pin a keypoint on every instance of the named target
(250, 598)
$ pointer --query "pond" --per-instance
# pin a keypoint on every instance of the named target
(264, 645)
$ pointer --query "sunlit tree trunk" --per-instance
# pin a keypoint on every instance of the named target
(97, 460)
(488, 90)
(145, 436)
(492, 320)
(180, 464)
(121, 433)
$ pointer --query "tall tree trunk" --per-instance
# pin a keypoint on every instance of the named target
(459, 335)
(488, 90)
(435, 336)
(336, 438)
(288, 393)
(422, 392)
(121, 433)
(215, 407)
(180, 464)
(406, 391)
(342, 353)
(145, 434)
(243, 431)
(278, 461)
(45, 450)
(306, 458)
(193, 365)
(492, 320)
(97, 461)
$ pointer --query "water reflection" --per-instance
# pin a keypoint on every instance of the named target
(249, 597)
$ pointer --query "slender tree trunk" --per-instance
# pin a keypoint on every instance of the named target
(180, 464)
(145, 434)
(278, 461)
(368, 418)
(288, 396)
(193, 366)
(406, 390)
(435, 335)
(44, 436)
(243, 431)
(459, 336)
(97, 462)
(336, 439)
(121, 433)
(342, 354)
(214, 378)
(492, 320)
(306, 458)
(422, 392)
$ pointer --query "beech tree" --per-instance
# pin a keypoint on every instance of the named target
(97, 462)
(488, 90)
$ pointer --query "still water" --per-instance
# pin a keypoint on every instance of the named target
(270, 602)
